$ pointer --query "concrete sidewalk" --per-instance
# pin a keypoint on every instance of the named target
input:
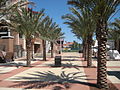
(72, 75)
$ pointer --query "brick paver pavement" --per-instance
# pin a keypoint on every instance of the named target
(42, 75)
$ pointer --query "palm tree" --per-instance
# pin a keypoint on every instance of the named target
(9, 9)
(49, 31)
(54, 34)
(114, 32)
(90, 28)
(101, 12)
(3, 7)
(114, 35)
(77, 27)
(116, 25)
(26, 23)
(6, 10)
(43, 30)
(2, 3)
(82, 24)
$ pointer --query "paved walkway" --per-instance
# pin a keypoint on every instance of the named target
(73, 75)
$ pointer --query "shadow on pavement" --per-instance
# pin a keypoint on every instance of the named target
(13, 64)
(114, 73)
(70, 60)
(69, 65)
(65, 65)
(70, 57)
(42, 80)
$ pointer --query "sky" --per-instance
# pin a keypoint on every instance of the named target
(55, 9)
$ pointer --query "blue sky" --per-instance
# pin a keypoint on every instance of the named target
(55, 9)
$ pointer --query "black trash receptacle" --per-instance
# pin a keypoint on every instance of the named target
(58, 61)
(59, 52)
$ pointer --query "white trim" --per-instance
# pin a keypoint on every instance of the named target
(37, 43)
(3, 32)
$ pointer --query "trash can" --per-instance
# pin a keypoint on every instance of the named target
(58, 61)
(59, 52)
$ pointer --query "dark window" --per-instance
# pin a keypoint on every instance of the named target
(20, 35)
(3, 32)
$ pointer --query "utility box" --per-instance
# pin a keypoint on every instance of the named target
(57, 61)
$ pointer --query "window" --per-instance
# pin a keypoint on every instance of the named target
(3, 32)
(20, 35)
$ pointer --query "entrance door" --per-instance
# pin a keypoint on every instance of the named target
(36, 48)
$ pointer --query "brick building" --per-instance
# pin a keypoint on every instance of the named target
(11, 41)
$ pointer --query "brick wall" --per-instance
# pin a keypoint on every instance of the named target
(8, 43)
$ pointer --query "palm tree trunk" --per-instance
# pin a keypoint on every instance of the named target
(44, 49)
(119, 45)
(32, 47)
(102, 40)
(52, 50)
(86, 50)
(89, 52)
(83, 50)
(28, 45)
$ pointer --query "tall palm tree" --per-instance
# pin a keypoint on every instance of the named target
(77, 27)
(114, 32)
(114, 35)
(26, 23)
(54, 34)
(90, 28)
(2, 3)
(82, 22)
(43, 30)
(101, 12)
(116, 25)
(3, 7)
(49, 31)
(8, 9)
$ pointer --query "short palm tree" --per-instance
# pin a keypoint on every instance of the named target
(101, 11)
(26, 23)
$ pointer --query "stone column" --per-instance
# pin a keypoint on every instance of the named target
(17, 39)
(24, 46)
(10, 45)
